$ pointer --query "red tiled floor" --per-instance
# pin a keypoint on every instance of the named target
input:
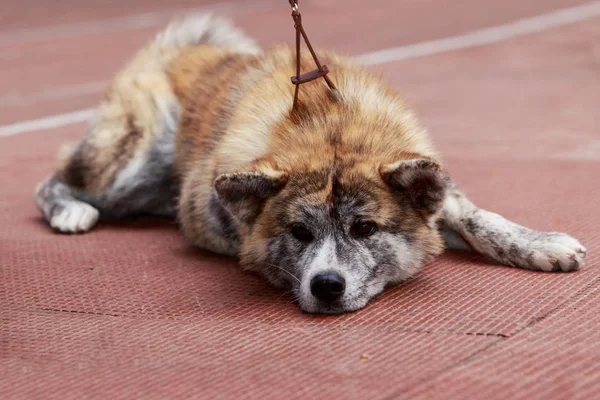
(557, 358)
(532, 97)
(28, 15)
(129, 311)
(41, 65)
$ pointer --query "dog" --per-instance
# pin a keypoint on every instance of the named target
(333, 200)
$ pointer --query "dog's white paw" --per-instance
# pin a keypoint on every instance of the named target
(555, 252)
(73, 217)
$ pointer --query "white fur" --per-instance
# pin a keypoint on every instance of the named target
(409, 259)
(126, 178)
(325, 260)
(75, 217)
(207, 29)
(63, 212)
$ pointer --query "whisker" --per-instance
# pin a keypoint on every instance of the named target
(285, 293)
(286, 271)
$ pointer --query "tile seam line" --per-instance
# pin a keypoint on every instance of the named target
(501, 341)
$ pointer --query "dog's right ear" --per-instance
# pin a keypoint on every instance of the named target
(423, 180)
(243, 193)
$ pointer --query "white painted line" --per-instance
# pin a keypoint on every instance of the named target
(588, 151)
(54, 121)
(53, 94)
(485, 36)
(476, 38)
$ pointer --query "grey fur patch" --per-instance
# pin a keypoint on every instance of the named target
(422, 180)
(453, 240)
(223, 222)
(507, 242)
(367, 264)
(244, 193)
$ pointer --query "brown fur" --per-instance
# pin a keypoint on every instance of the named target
(213, 130)
(219, 132)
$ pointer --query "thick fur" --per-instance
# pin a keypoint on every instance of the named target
(199, 125)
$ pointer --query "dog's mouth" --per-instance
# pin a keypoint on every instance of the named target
(313, 306)
(321, 308)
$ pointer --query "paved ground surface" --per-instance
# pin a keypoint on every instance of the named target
(129, 311)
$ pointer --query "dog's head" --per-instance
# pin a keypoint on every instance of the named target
(337, 234)
(345, 199)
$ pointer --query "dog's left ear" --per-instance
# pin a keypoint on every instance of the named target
(243, 193)
(424, 182)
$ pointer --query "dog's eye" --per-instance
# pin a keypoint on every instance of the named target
(302, 233)
(364, 229)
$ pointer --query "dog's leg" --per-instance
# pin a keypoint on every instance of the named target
(61, 209)
(122, 167)
(88, 188)
(466, 225)
(144, 185)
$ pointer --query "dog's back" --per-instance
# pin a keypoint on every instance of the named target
(200, 101)
(124, 164)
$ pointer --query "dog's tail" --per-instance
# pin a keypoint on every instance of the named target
(205, 29)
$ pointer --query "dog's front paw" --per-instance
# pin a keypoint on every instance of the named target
(555, 252)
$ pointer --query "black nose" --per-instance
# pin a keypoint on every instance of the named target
(328, 286)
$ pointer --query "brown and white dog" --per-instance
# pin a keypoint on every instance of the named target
(332, 201)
